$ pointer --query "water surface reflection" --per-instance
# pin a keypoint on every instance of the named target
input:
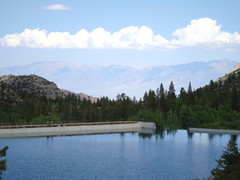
(169, 154)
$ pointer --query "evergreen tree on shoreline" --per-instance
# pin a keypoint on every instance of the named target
(3, 166)
(228, 167)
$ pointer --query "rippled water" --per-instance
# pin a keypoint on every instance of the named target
(168, 155)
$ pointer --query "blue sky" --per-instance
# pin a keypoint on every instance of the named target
(137, 33)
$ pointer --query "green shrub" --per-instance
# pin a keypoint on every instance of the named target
(44, 119)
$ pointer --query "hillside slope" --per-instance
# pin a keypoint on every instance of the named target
(12, 88)
(233, 73)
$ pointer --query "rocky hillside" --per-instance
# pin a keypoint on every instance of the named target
(236, 69)
(233, 73)
(13, 87)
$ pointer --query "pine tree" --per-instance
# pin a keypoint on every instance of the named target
(234, 99)
(3, 166)
(171, 97)
(190, 94)
(171, 91)
(162, 99)
(228, 167)
(152, 101)
(183, 95)
(189, 87)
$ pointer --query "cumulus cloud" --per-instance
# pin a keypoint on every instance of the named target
(204, 32)
(56, 7)
(127, 38)
(200, 32)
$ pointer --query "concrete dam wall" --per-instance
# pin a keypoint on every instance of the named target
(214, 131)
(73, 129)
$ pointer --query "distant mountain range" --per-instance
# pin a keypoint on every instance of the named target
(110, 80)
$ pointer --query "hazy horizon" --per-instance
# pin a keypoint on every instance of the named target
(99, 80)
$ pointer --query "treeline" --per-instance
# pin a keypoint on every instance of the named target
(216, 105)
(38, 110)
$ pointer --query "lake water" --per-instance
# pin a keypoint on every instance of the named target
(170, 155)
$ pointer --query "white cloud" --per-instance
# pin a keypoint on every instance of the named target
(56, 7)
(203, 32)
(127, 38)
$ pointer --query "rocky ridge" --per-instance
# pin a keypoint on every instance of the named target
(235, 71)
(236, 68)
(11, 87)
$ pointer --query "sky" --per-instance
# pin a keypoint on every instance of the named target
(136, 33)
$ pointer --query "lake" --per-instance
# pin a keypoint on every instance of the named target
(162, 155)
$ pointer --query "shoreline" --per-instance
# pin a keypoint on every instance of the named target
(66, 124)
(73, 129)
(214, 131)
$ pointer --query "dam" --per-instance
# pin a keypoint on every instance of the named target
(75, 129)
(214, 131)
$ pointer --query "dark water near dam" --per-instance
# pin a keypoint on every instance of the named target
(166, 155)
